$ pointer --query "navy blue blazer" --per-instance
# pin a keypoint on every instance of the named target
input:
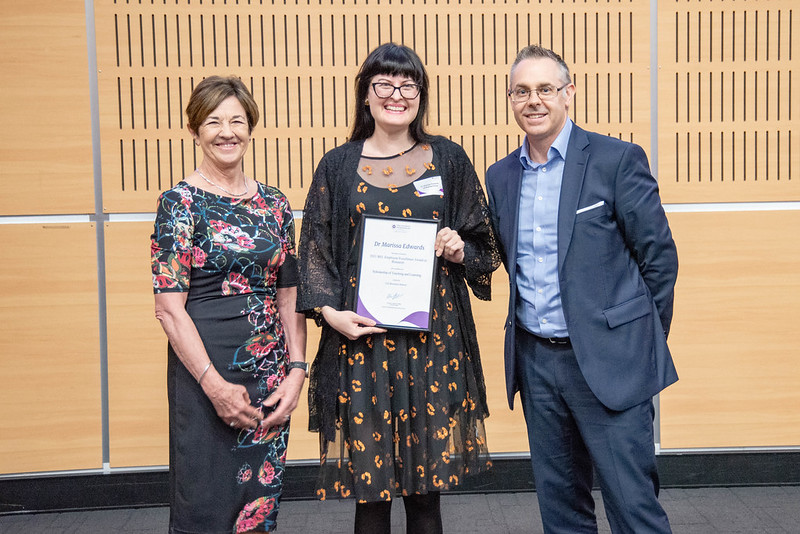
(617, 266)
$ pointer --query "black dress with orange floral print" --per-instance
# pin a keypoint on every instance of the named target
(409, 415)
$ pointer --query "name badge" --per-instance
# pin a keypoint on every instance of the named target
(429, 186)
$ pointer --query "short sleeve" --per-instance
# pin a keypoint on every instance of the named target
(171, 242)
(287, 272)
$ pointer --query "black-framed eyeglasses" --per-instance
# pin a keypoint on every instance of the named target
(386, 90)
(545, 92)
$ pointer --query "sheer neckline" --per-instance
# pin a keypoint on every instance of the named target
(394, 156)
(398, 170)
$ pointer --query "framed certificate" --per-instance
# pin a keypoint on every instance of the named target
(396, 266)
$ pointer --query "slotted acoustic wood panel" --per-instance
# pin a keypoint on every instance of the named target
(729, 119)
(300, 58)
(299, 61)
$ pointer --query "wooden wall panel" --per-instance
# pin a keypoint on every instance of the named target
(505, 429)
(300, 61)
(735, 335)
(46, 146)
(729, 127)
(137, 351)
(49, 350)
(304, 445)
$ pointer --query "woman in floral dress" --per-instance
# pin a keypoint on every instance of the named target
(399, 411)
(225, 282)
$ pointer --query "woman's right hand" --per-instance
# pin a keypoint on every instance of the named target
(231, 402)
(350, 324)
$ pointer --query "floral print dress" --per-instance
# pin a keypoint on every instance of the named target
(226, 254)
(409, 415)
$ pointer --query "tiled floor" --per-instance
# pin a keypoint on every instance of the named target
(750, 510)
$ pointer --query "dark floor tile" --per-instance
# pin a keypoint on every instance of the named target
(751, 510)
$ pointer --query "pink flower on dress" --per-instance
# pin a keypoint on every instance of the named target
(261, 345)
(277, 212)
(161, 281)
(259, 202)
(265, 434)
(272, 381)
(253, 514)
(243, 240)
(236, 284)
(258, 206)
(245, 474)
(260, 433)
(173, 272)
(186, 197)
(199, 257)
(230, 237)
(267, 473)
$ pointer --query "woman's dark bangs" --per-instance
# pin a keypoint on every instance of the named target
(397, 63)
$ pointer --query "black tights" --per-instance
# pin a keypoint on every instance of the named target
(423, 515)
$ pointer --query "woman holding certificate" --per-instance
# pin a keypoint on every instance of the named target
(400, 403)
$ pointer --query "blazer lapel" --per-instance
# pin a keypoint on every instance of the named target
(571, 185)
(514, 192)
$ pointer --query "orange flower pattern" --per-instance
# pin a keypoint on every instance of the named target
(407, 421)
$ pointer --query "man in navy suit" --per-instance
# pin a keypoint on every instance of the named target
(592, 268)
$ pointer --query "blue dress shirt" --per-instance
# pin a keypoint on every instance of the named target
(538, 305)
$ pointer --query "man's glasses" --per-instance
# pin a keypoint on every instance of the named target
(545, 92)
(386, 90)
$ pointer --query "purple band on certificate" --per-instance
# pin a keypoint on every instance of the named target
(420, 319)
(396, 271)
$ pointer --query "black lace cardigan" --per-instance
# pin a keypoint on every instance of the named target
(324, 252)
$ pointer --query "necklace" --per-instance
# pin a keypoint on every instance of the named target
(388, 170)
(246, 189)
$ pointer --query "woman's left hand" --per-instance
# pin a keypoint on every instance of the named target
(449, 245)
(284, 399)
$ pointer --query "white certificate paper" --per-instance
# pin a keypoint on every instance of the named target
(395, 271)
